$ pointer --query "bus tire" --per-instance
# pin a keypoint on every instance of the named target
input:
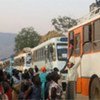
(71, 91)
(95, 89)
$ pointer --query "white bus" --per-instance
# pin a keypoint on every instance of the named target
(51, 54)
(23, 61)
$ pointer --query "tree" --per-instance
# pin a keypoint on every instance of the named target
(50, 35)
(62, 24)
(27, 37)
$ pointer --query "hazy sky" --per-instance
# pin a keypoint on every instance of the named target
(16, 14)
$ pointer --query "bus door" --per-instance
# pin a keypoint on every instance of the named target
(77, 52)
(48, 57)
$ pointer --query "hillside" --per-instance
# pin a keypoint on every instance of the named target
(50, 35)
(6, 44)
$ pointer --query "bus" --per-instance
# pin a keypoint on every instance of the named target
(51, 54)
(23, 61)
(1, 64)
(86, 37)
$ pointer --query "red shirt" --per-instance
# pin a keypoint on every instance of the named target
(9, 94)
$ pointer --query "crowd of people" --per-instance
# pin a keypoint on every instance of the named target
(32, 84)
(35, 84)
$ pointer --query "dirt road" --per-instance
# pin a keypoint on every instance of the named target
(78, 97)
(81, 97)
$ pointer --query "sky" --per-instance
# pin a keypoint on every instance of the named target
(17, 14)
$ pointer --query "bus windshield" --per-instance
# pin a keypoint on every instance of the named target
(28, 60)
(62, 51)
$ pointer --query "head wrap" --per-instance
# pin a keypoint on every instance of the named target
(43, 69)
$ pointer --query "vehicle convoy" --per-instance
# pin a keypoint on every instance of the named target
(86, 37)
(51, 54)
(23, 61)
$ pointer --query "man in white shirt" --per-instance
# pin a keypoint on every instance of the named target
(72, 77)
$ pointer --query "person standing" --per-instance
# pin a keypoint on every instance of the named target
(72, 77)
(36, 88)
(55, 90)
(42, 76)
(36, 70)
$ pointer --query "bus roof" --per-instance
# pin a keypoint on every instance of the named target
(20, 55)
(86, 20)
(52, 40)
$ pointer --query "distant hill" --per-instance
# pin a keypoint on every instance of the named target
(7, 43)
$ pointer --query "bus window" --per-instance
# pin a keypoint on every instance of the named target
(96, 35)
(46, 53)
(35, 53)
(71, 43)
(51, 48)
(51, 52)
(62, 51)
(34, 56)
(87, 38)
(16, 62)
(77, 44)
(71, 35)
(43, 53)
(22, 61)
(39, 54)
(28, 60)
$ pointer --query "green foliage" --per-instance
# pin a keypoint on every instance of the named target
(27, 37)
(62, 24)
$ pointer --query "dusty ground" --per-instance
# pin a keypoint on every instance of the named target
(79, 97)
